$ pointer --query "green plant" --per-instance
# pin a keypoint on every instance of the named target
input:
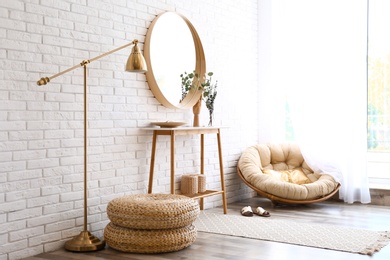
(205, 84)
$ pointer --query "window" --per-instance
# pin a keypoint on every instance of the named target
(378, 102)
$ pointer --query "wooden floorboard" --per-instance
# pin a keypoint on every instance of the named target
(213, 246)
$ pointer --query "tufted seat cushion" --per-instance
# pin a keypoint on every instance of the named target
(280, 170)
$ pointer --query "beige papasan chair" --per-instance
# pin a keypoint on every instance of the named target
(280, 173)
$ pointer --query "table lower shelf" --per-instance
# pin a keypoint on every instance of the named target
(207, 193)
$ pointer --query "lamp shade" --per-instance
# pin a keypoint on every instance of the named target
(136, 61)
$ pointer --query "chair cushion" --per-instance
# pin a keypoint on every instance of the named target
(296, 175)
(280, 169)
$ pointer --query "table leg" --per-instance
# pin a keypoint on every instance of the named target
(153, 156)
(221, 172)
(201, 201)
(172, 162)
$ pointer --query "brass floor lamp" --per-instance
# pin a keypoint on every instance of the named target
(85, 241)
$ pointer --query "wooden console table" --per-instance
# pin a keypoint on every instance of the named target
(189, 131)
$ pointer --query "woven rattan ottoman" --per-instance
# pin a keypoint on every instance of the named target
(151, 223)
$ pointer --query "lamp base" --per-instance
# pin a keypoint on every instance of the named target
(85, 242)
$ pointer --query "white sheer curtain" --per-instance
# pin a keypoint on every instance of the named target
(317, 66)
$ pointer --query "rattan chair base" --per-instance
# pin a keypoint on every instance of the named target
(279, 200)
(149, 241)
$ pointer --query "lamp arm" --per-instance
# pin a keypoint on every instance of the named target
(45, 80)
(115, 50)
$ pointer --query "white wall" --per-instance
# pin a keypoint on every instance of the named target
(41, 127)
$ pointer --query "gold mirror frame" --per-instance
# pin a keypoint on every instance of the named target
(193, 95)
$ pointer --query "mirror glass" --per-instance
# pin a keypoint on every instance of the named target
(172, 47)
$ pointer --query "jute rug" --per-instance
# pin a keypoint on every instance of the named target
(313, 235)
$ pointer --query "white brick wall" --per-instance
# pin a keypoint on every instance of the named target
(41, 127)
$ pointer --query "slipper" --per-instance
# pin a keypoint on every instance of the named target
(247, 211)
(262, 212)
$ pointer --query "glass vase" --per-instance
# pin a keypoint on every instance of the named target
(211, 115)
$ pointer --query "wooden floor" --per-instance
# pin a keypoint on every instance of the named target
(212, 246)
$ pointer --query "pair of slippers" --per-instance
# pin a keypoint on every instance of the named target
(247, 212)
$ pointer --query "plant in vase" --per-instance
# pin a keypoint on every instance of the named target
(205, 84)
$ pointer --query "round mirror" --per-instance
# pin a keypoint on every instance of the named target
(172, 47)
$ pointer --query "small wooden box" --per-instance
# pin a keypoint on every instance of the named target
(189, 184)
(193, 183)
(201, 183)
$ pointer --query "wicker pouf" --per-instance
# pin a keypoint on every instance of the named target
(151, 223)
(149, 241)
(153, 211)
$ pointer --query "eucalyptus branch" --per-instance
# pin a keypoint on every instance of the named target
(206, 85)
